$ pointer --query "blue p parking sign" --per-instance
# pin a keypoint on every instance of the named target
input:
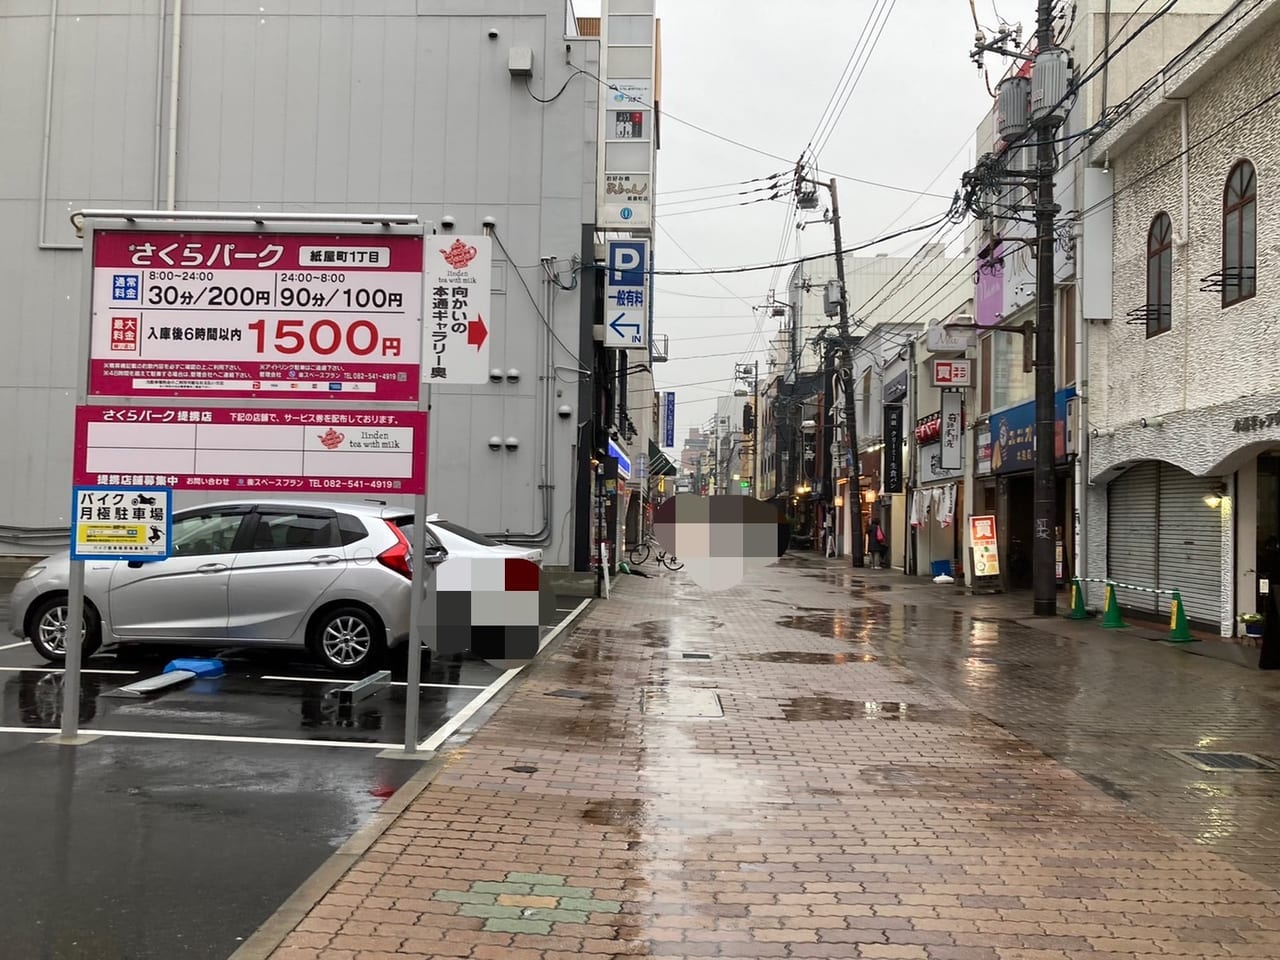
(626, 294)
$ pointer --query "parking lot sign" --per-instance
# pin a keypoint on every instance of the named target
(121, 523)
(626, 298)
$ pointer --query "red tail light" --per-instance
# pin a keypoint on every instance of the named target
(397, 556)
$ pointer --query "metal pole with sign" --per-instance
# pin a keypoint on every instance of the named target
(421, 630)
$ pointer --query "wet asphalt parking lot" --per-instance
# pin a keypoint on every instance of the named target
(199, 809)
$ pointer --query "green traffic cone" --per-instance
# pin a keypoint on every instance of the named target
(1077, 601)
(1111, 610)
(1178, 630)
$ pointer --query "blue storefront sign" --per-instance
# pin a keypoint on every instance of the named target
(1013, 441)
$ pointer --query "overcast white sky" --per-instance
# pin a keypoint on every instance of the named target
(762, 72)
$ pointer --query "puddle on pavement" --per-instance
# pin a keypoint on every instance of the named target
(835, 626)
(625, 812)
(803, 656)
(832, 708)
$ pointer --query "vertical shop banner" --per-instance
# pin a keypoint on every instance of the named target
(982, 540)
(669, 424)
(952, 426)
(892, 448)
(459, 325)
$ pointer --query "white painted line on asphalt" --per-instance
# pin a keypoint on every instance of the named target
(452, 725)
(128, 673)
(14, 646)
(206, 737)
(394, 683)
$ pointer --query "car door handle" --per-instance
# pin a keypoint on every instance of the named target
(325, 559)
(212, 568)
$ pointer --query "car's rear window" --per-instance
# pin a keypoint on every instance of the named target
(465, 534)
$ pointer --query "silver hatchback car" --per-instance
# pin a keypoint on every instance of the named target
(333, 578)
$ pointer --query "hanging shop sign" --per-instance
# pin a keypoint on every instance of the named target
(952, 373)
(459, 324)
(264, 315)
(892, 448)
(951, 420)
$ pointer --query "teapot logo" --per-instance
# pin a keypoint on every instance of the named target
(459, 255)
(332, 439)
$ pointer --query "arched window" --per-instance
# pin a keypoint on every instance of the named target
(1159, 275)
(1239, 234)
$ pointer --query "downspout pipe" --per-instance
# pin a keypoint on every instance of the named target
(175, 74)
(42, 240)
(546, 467)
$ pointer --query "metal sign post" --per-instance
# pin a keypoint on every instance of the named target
(424, 580)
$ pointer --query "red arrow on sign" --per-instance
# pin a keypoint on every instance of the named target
(476, 332)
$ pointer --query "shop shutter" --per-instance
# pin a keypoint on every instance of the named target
(1131, 534)
(1190, 549)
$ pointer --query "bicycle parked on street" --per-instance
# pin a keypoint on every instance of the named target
(648, 547)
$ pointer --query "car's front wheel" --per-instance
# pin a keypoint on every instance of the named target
(47, 630)
(349, 640)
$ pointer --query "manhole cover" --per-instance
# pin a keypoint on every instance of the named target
(1215, 761)
(571, 694)
(681, 703)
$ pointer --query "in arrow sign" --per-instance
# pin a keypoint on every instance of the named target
(476, 332)
(617, 326)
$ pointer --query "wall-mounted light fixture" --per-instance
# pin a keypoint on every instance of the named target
(1213, 499)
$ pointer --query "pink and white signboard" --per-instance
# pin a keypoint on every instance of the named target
(243, 449)
(262, 315)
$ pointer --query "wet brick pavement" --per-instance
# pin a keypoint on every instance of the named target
(899, 772)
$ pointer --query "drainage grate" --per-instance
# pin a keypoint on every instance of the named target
(1225, 761)
(695, 656)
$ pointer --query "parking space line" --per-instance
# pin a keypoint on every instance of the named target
(454, 723)
(394, 683)
(14, 646)
(128, 673)
(208, 737)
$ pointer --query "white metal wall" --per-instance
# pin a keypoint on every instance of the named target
(375, 105)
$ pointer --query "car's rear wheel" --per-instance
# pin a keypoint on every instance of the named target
(348, 639)
(47, 629)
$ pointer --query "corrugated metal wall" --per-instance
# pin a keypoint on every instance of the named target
(375, 105)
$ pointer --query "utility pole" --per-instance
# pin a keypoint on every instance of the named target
(853, 499)
(807, 199)
(1044, 578)
(1041, 110)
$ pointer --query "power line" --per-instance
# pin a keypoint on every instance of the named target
(866, 59)
(709, 271)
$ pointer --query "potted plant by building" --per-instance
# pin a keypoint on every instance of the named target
(1252, 624)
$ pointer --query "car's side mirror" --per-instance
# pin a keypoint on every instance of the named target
(135, 564)
(435, 554)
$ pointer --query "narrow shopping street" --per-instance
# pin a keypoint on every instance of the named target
(825, 762)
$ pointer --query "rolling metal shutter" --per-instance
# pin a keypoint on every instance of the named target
(1131, 533)
(1190, 550)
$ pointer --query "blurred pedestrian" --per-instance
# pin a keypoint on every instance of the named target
(877, 543)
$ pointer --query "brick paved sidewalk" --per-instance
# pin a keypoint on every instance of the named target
(843, 806)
